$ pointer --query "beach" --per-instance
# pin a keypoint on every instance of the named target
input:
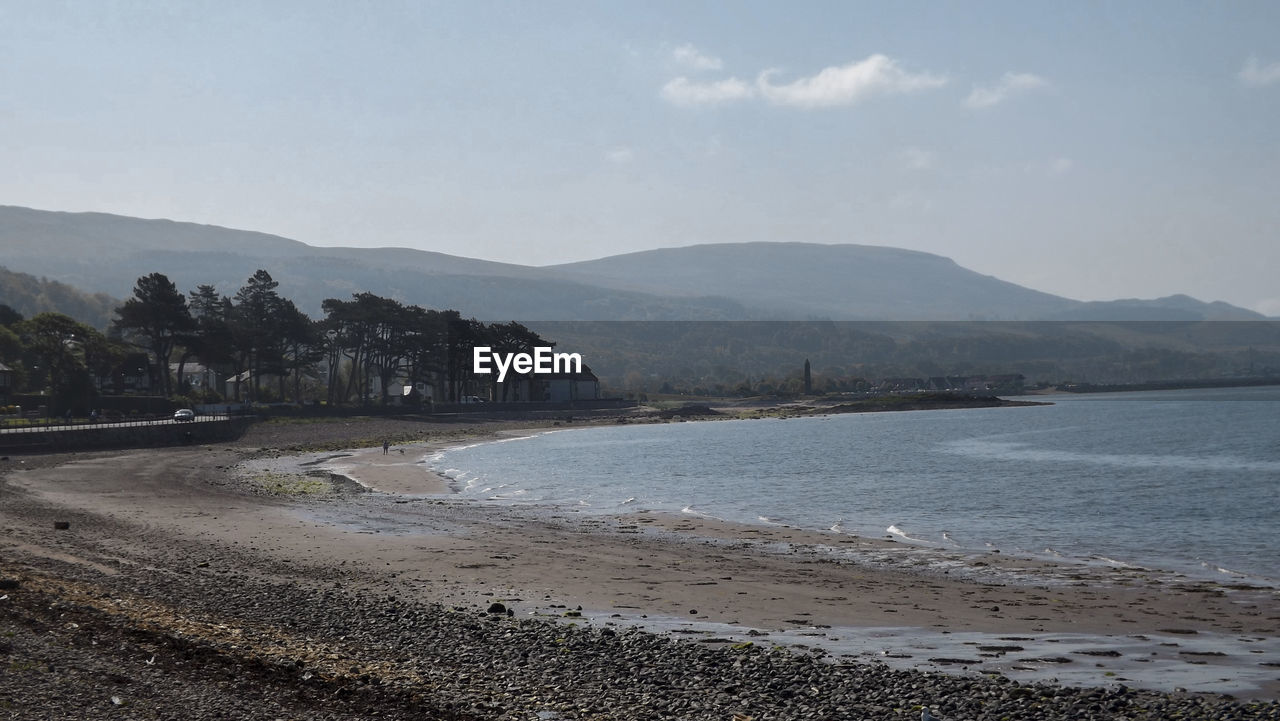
(226, 574)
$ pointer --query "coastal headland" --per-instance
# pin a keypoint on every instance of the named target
(300, 572)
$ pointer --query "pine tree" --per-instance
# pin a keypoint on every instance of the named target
(155, 317)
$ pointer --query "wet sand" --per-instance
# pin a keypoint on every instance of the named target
(695, 577)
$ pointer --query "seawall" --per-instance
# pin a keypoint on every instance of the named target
(106, 436)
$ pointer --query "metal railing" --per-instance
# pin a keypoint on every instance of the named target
(43, 425)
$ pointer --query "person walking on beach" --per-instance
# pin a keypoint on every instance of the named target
(385, 446)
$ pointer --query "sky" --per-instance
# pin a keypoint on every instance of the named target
(1095, 150)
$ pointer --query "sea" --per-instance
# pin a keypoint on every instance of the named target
(1185, 481)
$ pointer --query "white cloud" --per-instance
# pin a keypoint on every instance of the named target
(914, 158)
(692, 58)
(1061, 166)
(1010, 84)
(1255, 75)
(846, 84)
(683, 91)
(620, 155)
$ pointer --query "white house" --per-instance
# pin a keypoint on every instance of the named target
(196, 377)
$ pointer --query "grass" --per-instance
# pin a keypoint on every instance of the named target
(342, 444)
(291, 484)
(670, 401)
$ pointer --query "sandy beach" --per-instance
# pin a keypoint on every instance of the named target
(256, 518)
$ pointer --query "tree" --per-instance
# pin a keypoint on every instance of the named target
(387, 320)
(10, 345)
(462, 336)
(425, 348)
(9, 316)
(353, 326)
(66, 349)
(11, 348)
(256, 327)
(509, 338)
(154, 318)
(300, 343)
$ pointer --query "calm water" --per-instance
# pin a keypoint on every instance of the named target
(1179, 480)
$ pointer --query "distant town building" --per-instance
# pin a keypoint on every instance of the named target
(133, 375)
(195, 376)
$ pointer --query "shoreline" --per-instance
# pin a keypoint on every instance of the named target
(1175, 570)
(1096, 643)
(138, 521)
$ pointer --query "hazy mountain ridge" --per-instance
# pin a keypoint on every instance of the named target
(840, 282)
(1178, 307)
(104, 253)
(30, 295)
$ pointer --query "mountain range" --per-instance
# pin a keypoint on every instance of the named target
(102, 253)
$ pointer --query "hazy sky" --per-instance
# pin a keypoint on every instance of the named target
(1094, 150)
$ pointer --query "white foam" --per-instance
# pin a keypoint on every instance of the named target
(1225, 571)
(701, 514)
(894, 530)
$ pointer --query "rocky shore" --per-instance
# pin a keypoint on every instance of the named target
(151, 616)
(218, 643)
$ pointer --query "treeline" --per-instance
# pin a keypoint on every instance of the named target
(260, 340)
(751, 358)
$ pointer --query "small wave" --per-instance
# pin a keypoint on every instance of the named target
(628, 501)
(1220, 569)
(1118, 564)
(836, 527)
(894, 530)
(690, 510)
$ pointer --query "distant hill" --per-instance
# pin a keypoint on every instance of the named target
(1175, 307)
(30, 295)
(107, 253)
(839, 282)
(103, 253)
